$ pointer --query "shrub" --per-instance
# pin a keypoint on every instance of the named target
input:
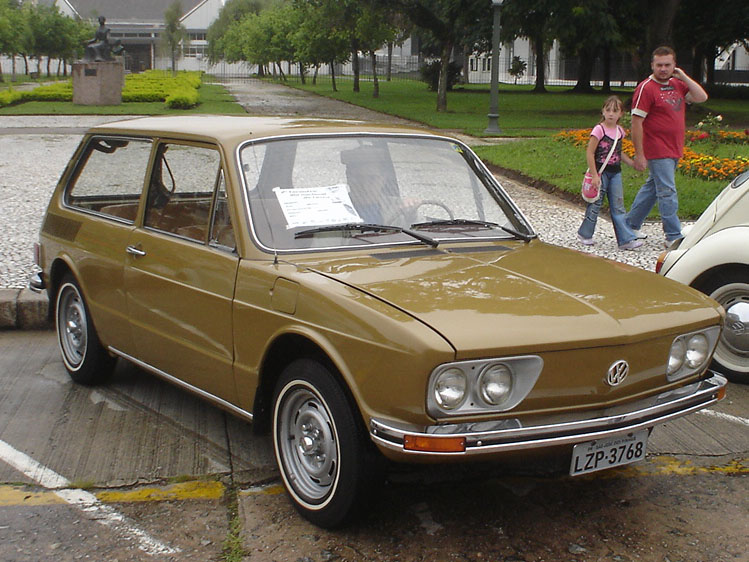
(728, 92)
(430, 73)
(178, 91)
(9, 97)
(182, 98)
(59, 91)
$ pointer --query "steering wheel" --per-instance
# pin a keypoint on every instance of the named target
(410, 212)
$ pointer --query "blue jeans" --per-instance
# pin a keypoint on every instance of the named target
(611, 186)
(661, 187)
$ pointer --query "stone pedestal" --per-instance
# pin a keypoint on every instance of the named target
(98, 83)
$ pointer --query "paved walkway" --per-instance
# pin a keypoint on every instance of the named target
(35, 150)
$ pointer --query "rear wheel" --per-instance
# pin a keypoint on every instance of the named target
(320, 448)
(731, 289)
(85, 359)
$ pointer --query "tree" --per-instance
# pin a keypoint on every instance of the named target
(705, 37)
(374, 30)
(10, 31)
(319, 40)
(232, 12)
(445, 21)
(517, 68)
(174, 32)
(531, 19)
(585, 28)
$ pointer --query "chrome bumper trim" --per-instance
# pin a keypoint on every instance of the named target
(512, 435)
(36, 283)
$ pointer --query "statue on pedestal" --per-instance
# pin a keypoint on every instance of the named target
(100, 48)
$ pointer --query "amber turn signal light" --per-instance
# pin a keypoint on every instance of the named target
(721, 394)
(434, 444)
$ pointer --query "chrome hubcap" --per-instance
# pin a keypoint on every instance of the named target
(72, 326)
(307, 443)
(733, 348)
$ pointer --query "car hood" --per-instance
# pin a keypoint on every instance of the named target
(525, 297)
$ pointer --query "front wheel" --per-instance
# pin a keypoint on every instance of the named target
(320, 449)
(731, 357)
(85, 359)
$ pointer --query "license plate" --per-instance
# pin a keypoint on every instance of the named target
(607, 453)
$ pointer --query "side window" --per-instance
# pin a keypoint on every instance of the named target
(110, 175)
(181, 190)
(222, 233)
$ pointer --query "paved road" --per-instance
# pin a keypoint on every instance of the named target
(161, 470)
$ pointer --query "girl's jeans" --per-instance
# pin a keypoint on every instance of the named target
(661, 187)
(611, 186)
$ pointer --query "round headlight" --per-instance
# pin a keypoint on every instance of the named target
(495, 384)
(697, 351)
(676, 356)
(450, 388)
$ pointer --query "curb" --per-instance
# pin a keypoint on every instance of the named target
(24, 309)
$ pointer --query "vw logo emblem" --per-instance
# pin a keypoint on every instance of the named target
(617, 372)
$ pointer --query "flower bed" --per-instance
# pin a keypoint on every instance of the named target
(692, 163)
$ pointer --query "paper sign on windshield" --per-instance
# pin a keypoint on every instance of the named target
(315, 206)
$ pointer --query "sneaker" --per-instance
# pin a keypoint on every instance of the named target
(639, 235)
(631, 245)
(586, 241)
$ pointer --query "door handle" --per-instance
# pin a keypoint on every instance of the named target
(135, 251)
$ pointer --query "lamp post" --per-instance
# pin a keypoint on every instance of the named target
(493, 127)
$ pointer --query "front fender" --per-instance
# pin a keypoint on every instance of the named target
(727, 246)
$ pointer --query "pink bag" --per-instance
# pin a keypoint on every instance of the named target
(590, 193)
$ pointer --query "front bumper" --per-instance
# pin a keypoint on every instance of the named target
(512, 434)
(36, 283)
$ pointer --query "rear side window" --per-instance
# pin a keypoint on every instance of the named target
(109, 177)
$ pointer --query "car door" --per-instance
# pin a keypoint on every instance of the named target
(104, 194)
(181, 270)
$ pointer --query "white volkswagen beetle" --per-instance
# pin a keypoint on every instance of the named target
(713, 257)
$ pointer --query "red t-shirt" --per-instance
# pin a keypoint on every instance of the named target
(663, 107)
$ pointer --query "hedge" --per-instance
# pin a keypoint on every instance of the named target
(178, 92)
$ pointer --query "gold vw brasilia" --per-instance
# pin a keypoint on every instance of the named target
(363, 293)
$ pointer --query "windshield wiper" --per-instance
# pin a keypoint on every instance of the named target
(477, 223)
(367, 227)
(455, 222)
(520, 235)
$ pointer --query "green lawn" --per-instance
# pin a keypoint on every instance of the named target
(522, 113)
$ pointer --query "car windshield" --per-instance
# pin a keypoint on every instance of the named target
(369, 189)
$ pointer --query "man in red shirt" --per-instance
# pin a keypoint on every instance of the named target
(658, 135)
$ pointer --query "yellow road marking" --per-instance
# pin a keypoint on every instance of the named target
(20, 495)
(269, 490)
(195, 490)
(664, 465)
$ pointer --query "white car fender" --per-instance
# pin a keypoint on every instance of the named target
(726, 246)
